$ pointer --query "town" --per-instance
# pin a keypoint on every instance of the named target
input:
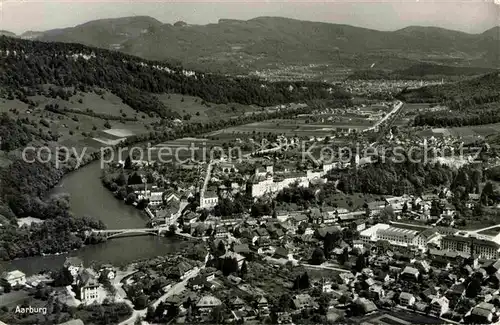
(271, 237)
(233, 163)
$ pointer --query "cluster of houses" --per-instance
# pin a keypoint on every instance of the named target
(86, 285)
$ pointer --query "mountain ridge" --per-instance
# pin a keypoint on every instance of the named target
(262, 41)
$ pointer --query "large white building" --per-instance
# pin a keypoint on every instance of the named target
(394, 235)
(482, 247)
(87, 287)
(208, 200)
(267, 182)
(13, 278)
(155, 197)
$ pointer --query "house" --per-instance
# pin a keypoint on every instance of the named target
(221, 232)
(172, 196)
(281, 252)
(304, 301)
(365, 306)
(481, 314)
(107, 271)
(316, 216)
(189, 217)
(376, 206)
(197, 283)
(242, 249)
(283, 318)
(180, 270)
(406, 299)
(298, 219)
(410, 273)
(73, 265)
(237, 303)
(439, 306)
(206, 304)
(360, 224)
(381, 276)
(329, 230)
(208, 200)
(345, 278)
(263, 306)
(234, 279)
(377, 290)
(13, 278)
(87, 287)
(262, 233)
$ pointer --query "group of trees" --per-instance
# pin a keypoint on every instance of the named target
(477, 115)
(13, 134)
(390, 178)
(132, 78)
(473, 102)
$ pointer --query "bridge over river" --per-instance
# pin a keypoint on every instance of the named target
(156, 231)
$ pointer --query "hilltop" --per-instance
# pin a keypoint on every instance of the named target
(249, 44)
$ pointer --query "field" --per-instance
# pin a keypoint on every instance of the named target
(470, 133)
(198, 149)
(200, 111)
(479, 131)
(80, 130)
(291, 128)
(395, 317)
(98, 118)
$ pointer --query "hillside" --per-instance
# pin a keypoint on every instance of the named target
(261, 41)
(28, 64)
(421, 71)
(471, 102)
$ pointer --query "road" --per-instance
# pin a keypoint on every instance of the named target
(326, 267)
(176, 289)
(393, 112)
(482, 229)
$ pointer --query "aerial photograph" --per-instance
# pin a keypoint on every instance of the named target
(249, 162)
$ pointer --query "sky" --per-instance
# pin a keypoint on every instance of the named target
(472, 16)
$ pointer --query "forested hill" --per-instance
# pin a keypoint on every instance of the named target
(473, 102)
(27, 64)
(480, 90)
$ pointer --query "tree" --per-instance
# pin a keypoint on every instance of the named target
(360, 263)
(473, 289)
(229, 265)
(301, 282)
(318, 257)
(405, 208)
(141, 302)
(386, 214)
(128, 163)
(172, 229)
(221, 249)
(63, 278)
(131, 198)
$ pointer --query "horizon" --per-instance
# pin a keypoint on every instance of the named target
(474, 17)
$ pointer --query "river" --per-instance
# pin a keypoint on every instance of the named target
(89, 197)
